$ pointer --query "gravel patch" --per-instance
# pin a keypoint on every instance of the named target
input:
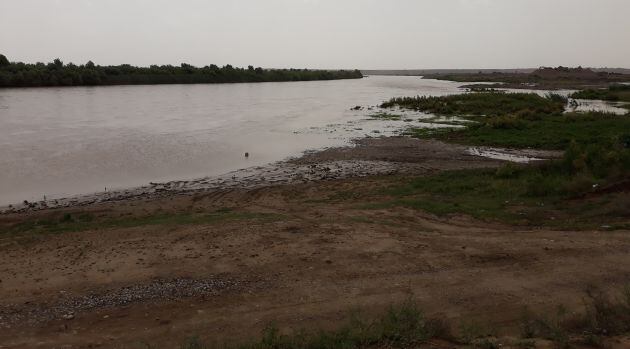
(67, 306)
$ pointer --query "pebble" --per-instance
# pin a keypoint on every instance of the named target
(67, 307)
(283, 172)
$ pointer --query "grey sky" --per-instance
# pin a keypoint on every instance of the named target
(368, 34)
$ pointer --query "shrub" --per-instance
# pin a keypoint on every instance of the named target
(543, 183)
(505, 123)
(579, 184)
(528, 114)
(483, 104)
(508, 170)
(550, 327)
(604, 160)
(606, 315)
(402, 326)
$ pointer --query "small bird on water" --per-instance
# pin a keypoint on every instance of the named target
(246, 155)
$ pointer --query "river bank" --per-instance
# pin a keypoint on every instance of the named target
(374, 156)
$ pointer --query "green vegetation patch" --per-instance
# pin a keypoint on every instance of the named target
(85, 221)
(529, 195)
(484, 104)
(597, 156)
(549, 132)
(613, 93)
(402, 326)
(522, 120)
(604, 316)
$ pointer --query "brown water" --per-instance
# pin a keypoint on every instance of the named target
(65, 141)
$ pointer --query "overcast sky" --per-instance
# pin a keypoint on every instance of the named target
(367, 34)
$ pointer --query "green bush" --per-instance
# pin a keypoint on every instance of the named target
(506, 171)
(613, 93)
(541, 184)
(579, 184)
(604, 160)
(505, 123)
(483, 104)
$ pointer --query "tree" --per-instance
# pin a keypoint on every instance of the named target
(4, 61)
(4, 79)
(90, 77)
(58, 73)
(188, 68)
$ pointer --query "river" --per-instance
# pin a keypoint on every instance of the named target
(59, 142)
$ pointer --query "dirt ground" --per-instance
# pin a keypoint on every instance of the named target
(295, 257)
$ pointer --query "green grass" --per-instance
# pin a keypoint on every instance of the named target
(597, 153)
(402, 326)
(613, 93)
(550, 132)
(522, 120)
(85, 221)
(484, 104)
(605, 315)
(478, 193)
(523, 195)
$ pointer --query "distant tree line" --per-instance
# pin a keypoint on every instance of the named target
(56, 73)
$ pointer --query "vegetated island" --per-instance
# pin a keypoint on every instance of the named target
(595, 164)
(543, 78)
(56, 73)
(615, 93)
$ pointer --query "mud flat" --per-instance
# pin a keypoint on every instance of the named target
(366, 157)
